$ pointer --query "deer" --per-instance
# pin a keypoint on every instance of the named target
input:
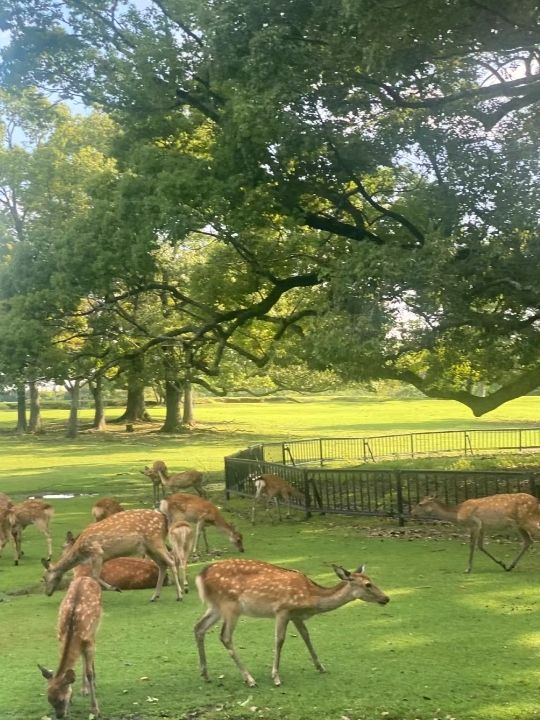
(123, 573)
(105, 507)
(182, 506)
(6, 534)
(161, 479)
(79, 616)
(231, 588)
(273, 487)
(132, 532)
(30, 512)
(519, 511)
(181, 539)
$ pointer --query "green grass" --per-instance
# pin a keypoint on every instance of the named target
(447, 646)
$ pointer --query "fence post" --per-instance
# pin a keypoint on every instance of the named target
(321, 452)
(307, 495)
(399, 498)
(227, 493)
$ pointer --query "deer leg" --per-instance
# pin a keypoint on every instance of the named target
(527, 542)
(481, 547)
(43, 526)
(210, 618)
(227, 631)
(278, 507)
(282, 621)
(304, 634)
(164, 561)
(89, 678)
(16, 534)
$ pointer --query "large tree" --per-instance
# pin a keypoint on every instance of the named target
(381, 157)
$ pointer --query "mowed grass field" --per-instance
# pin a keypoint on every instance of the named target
(448, 645)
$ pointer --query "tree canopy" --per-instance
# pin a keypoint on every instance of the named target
(364, 174)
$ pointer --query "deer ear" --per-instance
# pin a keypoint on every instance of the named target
(47, 674)
(361, 569)
(46, 563)
(341, 572)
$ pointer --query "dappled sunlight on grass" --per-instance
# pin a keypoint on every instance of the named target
(530, 640)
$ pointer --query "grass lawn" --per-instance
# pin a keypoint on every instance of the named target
(447, 646)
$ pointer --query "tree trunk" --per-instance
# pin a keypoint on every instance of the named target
(96, 388)
(172, 407)
(135, 406)
(74, 391)
(188, 418)
(21, 409)
(35, 425)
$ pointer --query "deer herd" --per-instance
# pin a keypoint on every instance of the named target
(125, 549)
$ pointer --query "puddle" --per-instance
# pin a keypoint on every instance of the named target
(61, 496)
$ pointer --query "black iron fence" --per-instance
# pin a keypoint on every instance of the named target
(383, 492)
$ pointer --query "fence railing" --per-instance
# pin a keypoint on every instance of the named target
(383, 492)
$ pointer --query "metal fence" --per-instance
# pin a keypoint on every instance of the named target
(381, 492)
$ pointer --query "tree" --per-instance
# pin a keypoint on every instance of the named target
(378, 158)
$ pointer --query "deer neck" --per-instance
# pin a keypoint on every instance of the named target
(67, 561)
(445, 512)
(327, 599)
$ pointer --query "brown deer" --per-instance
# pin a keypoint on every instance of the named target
(30, 512)
(123, 573)
(105, 507)
(6, 534)
(181, 539)
(132, 532)
(231, 588)
(519, 511)
(273, 487)
(182, 506)
(78, 621)
(161, 479)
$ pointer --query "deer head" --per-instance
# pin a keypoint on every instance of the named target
(59, 689)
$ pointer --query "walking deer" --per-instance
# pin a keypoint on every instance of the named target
(273, 487)
(105, 507)
(181, 539)
(123, 573)
(132, 532)
(161, 479)
(231, 588)
(78, 621)
(518, 511)
(30, 512)
(182, 506)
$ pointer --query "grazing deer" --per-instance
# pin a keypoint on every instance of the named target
(181, 539)
(5, 526)
(519, 511)
(232, 588)
(182, 506)
(123, 573)
(78, 621)
(161, 479)
(30, 512)
(273, 487)
(105, 507)
(132, 532)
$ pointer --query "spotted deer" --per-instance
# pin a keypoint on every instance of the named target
(30, 512)
(273, 487)
(161, 479)
(132, 532)
(181, 539)
(123, 573)
(105, 507)
(231, 588)
(518, 511)
(182, 506)
(78, 621)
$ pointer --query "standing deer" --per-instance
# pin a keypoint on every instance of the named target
(5, 526)
(161, 479)
(181, 539)
(182, 506)
(30, 512)
(132, 532)
(105, 507)
(273, 487)
(231, 588)
(78, 621)
(123, 573)
(519, 511)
